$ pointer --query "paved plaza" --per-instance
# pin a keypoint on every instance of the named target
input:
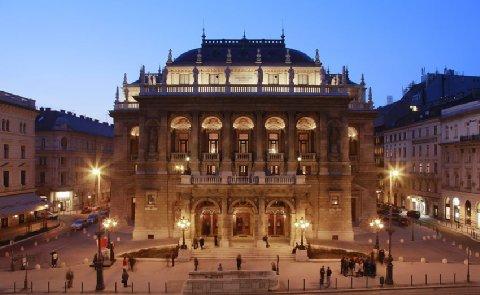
(75, 247)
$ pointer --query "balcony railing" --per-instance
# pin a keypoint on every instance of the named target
(206, 179)
(242, 180)
(274, 156)
(308, 157)
(178, 156)
(475, 137)
(280, 179)
(210, 157)
(125, 105)
(243, 157)
(159, 89)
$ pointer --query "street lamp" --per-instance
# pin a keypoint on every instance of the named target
(109, 224)
(376, 224)
(99, 262)
(299, 168)
(183, 224)
(302, 224)
(393, 173)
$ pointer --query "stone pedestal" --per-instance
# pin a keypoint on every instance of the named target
(301, 255)
(184, 255)
(224, 243)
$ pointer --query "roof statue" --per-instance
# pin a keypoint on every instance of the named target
(169, 58)
(199, 56)
(117, 95)
(287, 57)
(362, 80)
(259, 57)
(317, 57)
(229, 56)
(125, 81)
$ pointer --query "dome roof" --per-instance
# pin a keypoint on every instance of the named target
(244, 52)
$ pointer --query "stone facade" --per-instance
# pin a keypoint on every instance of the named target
(243, 147)
(17, 159)
(67, 148)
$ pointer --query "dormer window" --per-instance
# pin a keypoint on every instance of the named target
(214, 79)
(302, 79)
(273, 79)
(184, 79)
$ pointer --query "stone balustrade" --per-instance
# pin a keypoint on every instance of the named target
(242, 180)
(274, 157)
(280, 179)
(308, 157)
(243, 157)
(178, 156)
(211, 156)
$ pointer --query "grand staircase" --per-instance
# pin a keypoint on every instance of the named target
(247, 250)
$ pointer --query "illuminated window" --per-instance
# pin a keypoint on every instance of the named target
(211, 169)
(273, 143)
(302, 79)
(243, 143)
(274, 170)
(243, 170)
(184, 79)
(214, 79)
(273, 79)
(213, 143)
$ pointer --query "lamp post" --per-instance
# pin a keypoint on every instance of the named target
(393, 173)
(302, 224)
(299, 168)
(183, 224)
(109, 224)
(376, 224)
(99, 262)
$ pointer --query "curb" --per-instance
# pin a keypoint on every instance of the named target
(58, 227)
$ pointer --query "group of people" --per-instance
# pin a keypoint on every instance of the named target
(127, 263)
(358, 267)
(200, 241)
(324, 272)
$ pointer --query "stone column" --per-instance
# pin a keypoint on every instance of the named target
(142, 141)
(162, 142)
(225, 225)
(259, 138)
(261, 222)
(226, 143)
(192, 224)
(322, 144)
(194, 136)
(293, 229)
(292, 164)
(345, 142)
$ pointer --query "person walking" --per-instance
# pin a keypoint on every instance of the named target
(69, 278)
(202, 243)
(329, 276)
(173, 259)
(132, 262)
(322, 276)
(54, 256)
(195, 263)
(220, 267)
(195, 243)
(125, 278)
(239, 262)
(125, 262)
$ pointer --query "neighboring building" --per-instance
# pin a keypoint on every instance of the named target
(461, 163)
(408, 132)
(18, 202)
(244, 137)
(67, 148)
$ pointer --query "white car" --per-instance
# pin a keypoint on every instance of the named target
(78, 224)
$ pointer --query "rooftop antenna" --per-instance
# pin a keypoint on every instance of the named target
(203, 30)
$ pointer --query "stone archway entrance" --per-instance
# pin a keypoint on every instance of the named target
(206, 219)
(243, 218)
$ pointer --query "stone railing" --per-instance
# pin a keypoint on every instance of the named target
(244, 157)
(242, 180)
(280, 179)
(308, 157)
(210, 157)
(206, 179)
(178, 156)
(274, 156)
(159, 89)
(125, 105)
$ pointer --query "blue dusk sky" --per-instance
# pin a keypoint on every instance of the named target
(72, 54)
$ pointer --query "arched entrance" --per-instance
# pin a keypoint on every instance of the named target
(206, 218)
(278, 219)
(243, 218)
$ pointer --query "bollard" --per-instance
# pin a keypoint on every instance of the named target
(411, 280)
(148, 287)
(81, 290)
(426, 279)
(440, 279)
(366, 282)
(132, 287)
(31, 286)
(351, 282)
(336, 285)
(115, 287)
(14, 287)
(166, 287)
(48, 287)
(454, 277)
(303, 284)
(288, 285)
(65, 287)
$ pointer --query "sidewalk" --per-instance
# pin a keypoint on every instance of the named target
(453, 227)
(11, 233)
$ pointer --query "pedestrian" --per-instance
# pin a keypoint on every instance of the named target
(239, 262)
(342, 265)
(125, 262)
(69, 278)
(195, 243)
(24, 263)
(54, 256)
(202, 242)
(195, 263)
(274, 267)
(173, 259)
(220, 267)
(215, 240)
(329, 276)
(125, 278)
(322, 276)
(132, 262)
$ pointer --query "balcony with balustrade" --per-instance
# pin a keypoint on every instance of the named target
(275, 157)
(307, 157)
(178, 157)
(243, 157)
(211, 157)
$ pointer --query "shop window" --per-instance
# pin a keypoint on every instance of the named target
(243, 170)
(211, 170)
(274, 170)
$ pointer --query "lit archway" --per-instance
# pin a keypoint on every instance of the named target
(306, 123)
(274, 123)
(212, 123)
(243, 123)
(180, 123)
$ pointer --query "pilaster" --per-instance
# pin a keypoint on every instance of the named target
(194, 136)
(260, 152)
(292, 164)
(226, 143)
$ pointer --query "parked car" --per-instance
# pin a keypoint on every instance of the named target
(50, 215)
(78, 224)
(92, 218)
(402, 221)
(413, 214)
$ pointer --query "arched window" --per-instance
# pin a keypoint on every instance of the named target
(353, 141)
(305, 125)
(468, 212)
(180, 135)
(63, 143)
(134, 141)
